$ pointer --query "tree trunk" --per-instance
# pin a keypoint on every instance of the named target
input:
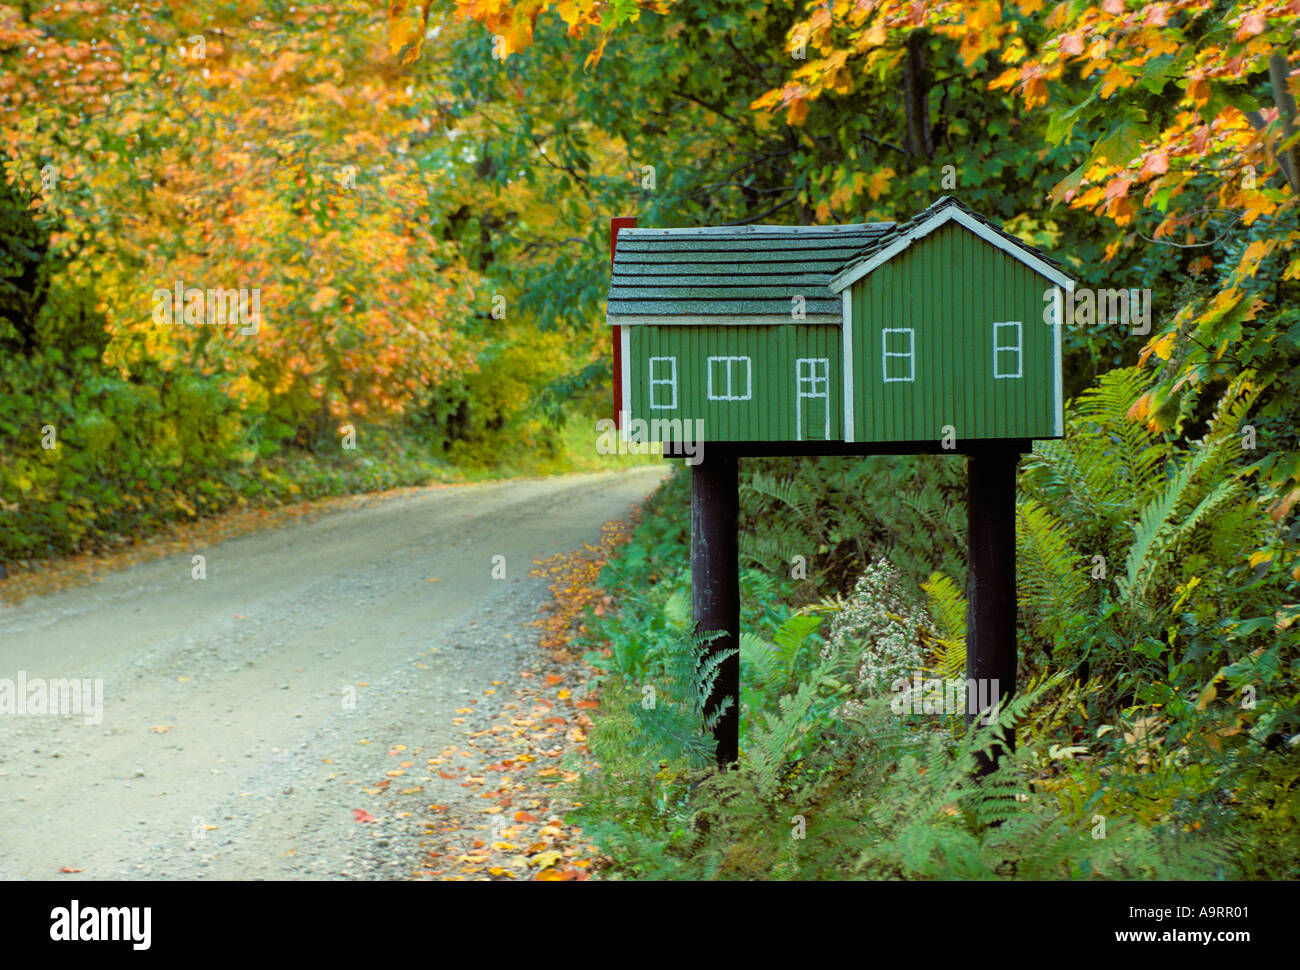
(916, 96)
(1288, 158)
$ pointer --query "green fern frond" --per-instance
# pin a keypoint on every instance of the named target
(947, 606)
(1051, 577)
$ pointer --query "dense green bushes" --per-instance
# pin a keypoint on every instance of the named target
(1160, 673)
(88, 458)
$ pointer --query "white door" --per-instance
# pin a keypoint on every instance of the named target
(812, 399)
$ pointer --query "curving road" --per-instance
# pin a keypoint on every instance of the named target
(228, 746)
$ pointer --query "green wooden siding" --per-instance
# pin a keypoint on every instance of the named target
(774, 349)
(949, 288)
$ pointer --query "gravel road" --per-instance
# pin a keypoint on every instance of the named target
(227, 746)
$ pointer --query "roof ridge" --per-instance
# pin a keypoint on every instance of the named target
(756, 229)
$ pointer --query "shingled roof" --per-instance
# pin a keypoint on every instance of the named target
(751, 274)
(745, 274)
(901, 235)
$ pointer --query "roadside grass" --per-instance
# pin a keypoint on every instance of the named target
(301, 485)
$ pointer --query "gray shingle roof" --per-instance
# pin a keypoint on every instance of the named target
(748, 273)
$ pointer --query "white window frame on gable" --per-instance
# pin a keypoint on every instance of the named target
(671, 381)
(1017, 347)
(886, 353)
(730, 395)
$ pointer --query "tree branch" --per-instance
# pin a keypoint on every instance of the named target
(767, 212)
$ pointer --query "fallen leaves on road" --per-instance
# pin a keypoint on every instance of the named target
(573, 582)
(519, 751)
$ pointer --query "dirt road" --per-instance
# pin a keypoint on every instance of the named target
(241, 711)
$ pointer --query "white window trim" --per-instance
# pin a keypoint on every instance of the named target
(749, 380)
(813, 380)
(1018, 347)
(670, 381)
(886, 353)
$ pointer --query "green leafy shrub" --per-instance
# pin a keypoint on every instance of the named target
(1159, 736)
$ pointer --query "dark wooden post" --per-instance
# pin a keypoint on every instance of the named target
(991, 585)
(715, 582)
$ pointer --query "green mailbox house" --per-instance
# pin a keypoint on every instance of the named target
(860, 334)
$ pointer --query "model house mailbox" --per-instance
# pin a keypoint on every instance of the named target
(938, 332)
(868, 333)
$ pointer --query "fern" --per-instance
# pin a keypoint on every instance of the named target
(1052, 580)
(1166, 521)
(947, 606)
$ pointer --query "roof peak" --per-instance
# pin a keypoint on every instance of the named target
(945, 209)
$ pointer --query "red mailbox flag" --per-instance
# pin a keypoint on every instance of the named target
(615, 224)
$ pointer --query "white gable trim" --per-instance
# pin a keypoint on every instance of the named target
(849, 276)
(848, 365)
(1057, 358)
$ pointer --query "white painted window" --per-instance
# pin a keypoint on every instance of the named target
(812, 398)
(729, 380)
(1006, 341)
(898, 354)
(667, 377)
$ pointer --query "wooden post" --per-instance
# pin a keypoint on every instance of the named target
(991, 586)
(715, 582)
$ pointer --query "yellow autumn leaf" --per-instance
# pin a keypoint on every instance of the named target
(1163, 346)
(544, 860)
(1115, 78)
(1256, 251)
(1207, 695)
(879, 182)
(405, 33)
(1225, 300)
(323, 298)
(1142, 408)
(1284, 620)
(1257, 205)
